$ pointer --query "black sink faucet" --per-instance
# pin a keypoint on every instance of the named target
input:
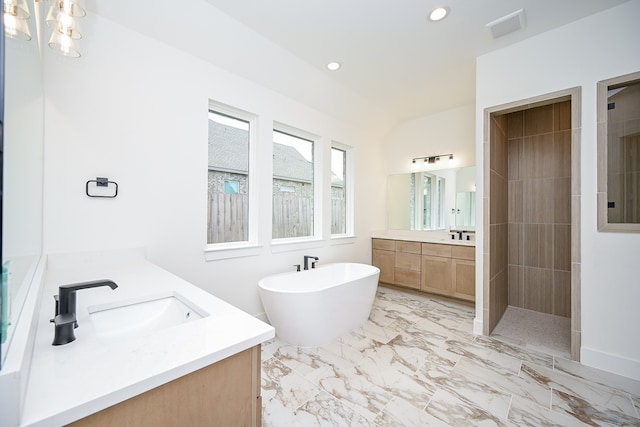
(65, 314)
(306, 261)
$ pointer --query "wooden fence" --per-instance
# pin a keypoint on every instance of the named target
(292, 217)
(228, 218)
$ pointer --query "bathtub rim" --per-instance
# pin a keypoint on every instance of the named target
(262, 287)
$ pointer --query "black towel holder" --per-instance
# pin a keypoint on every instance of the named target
(102, 182)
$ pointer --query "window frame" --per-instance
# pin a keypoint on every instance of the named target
(282, 244)
(349, 191)
(251, 246)
(603, 153)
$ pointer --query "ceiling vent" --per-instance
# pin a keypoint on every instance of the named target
(507, 24)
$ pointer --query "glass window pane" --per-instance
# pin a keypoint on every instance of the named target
(228, 219)
(292, 186)
(338, 191)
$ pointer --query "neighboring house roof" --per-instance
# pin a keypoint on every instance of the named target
(289, 164)
(228, 148)
(226, 154)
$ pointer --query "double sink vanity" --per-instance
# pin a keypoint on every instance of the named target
(416, 252)
(431, 262)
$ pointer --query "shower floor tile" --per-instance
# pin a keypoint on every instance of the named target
(416, 363)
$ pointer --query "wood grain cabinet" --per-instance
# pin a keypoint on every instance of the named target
(463, 272)
(407, 267)
(384, 257)
(430, 267)
(226, 393)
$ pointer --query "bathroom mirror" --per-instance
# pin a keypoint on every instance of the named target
(619, 154)
(465, 210)
(465, 207)
(22, 179)
(429, 200)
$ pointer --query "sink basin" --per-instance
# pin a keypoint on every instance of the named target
(144, 315)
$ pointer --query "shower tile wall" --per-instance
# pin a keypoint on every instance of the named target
(498, 216)
(539, 208)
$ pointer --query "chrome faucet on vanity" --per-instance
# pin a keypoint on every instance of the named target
(65, 314)
(306, 261)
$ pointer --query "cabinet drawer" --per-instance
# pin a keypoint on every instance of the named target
(408, 278)
(411, 247)
(463, 252)
(434, 249)
(384, 244)
(408, 261)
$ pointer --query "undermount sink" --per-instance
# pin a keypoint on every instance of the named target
(144, 315)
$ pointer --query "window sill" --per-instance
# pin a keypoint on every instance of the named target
(295, 244)
(342, 239)
(220, 251)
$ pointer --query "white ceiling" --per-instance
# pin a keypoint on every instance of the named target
(391, 55)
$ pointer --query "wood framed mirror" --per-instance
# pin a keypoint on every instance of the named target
(619, 154)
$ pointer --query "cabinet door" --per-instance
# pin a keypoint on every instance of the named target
(407, 261)
(464, 279)
(408, 278)
(436, 275)
(385, 261)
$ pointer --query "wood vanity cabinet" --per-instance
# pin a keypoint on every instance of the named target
(449, 270)
(407, 267)
(384, 257)
(226, 393)
(463, 271)
(430, 267)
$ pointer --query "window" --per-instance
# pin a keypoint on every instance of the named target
(338, 191)
(231, 187)
(228, 201)
(293, 186)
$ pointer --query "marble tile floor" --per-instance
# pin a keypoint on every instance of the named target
(416, 363)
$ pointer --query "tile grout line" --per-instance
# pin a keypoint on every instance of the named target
(506, 417)
(633, 405)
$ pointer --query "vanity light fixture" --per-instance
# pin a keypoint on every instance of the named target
(333, 66)
(16, 14)
(429, 162)
(438, 14)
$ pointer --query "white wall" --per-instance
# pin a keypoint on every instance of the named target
(134, 110)
(579, 54)
(450, 131)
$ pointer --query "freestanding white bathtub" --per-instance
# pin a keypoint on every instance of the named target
(313, 307)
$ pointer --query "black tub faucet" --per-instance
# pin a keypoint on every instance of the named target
(65, 313)
(306, 261)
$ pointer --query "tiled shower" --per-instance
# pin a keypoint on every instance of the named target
(530, 211)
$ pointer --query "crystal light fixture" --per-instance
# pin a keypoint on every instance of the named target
(63, 18)
(16, 14)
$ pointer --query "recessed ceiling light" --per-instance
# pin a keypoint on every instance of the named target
(333, 66)
(438, 13)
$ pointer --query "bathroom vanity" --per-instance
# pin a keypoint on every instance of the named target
(430, 262)
(156, 350)
(224, 393)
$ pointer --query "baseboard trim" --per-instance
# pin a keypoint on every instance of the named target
(477, 326)
(613, 363)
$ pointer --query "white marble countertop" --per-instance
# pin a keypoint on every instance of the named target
(441, 237)
(71, 381)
